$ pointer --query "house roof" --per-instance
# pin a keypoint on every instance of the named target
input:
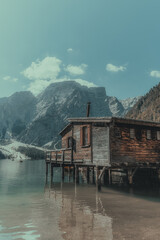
(109, 120)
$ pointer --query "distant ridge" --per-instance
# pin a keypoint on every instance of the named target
(148, 106)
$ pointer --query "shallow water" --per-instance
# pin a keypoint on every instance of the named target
(30, 209)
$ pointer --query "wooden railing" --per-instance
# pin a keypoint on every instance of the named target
(60, 155)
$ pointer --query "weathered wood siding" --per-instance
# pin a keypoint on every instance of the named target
(100, 145)
(125, 149)
(80, 152)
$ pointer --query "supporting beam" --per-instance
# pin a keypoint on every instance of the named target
(46, 169)
(93, 176)
(51, 168)
(87, 174)
(158, 172)
(109, 176)
(131, 173)
(73, 173)
(77, 174)
(99, 177)
(62, 169)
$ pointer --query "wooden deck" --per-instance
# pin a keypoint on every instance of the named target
(60, 156)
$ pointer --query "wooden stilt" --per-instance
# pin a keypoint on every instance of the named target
(130, 177)
(73, 173)
(62, 173)
(109, 177)
(99, 180)
(77, 174)
(68, 174)
(131, 173)
(93, 176)
(87, 174)
(46, 169)
(51, 172)
(158, 172)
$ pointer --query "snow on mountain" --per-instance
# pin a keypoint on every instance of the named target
(129, 103)
(10, 149)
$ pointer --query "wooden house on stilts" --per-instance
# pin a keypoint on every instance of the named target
(108, 144)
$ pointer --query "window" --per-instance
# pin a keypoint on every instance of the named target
(117, 133)
(149, 135)
(69, 142)
(132, 133)
(85, 136)
(153, 135)
(138, 134)
(158, 135)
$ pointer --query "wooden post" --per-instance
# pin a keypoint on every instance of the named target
(109, 177)
(93, 176)
(62, 168)
(77, 174)
(56, 156)
(100, 174)
(69, 172)
(87, 174)
(131, 173)
(46, 169)
(51, 172)
(130, 177)
(158, 172)
(63, 156)
(98, 182)
(73, 173)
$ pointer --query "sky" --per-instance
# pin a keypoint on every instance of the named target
(109, 43)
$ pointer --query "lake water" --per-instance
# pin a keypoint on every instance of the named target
(32, 209)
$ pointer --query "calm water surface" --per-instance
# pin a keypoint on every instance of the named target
(30, 209)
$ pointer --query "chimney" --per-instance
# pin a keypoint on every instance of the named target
(88, 108)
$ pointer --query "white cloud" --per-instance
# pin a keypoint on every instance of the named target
(69, 50)
(10, 79)
(38, 86)
(155, 74)
(85, 83)
(76, 70)
(112, 68)
(48, 68)
(43, 73)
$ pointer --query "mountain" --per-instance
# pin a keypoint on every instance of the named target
(58, 102)
(148, 106)
(38, 120)
(17, 108)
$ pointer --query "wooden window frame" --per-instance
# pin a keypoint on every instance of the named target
(154, 135)
(117, 133)
(138, 134)
(158, 135)
(149, 134)
(132, 131)
(68, 139)
(88, 136)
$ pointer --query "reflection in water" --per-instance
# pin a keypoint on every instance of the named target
(65, 211)
(81, 217)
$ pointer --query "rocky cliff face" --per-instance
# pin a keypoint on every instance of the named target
(39, 120)
(57, 103)
(147, 107)
(19, 107)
